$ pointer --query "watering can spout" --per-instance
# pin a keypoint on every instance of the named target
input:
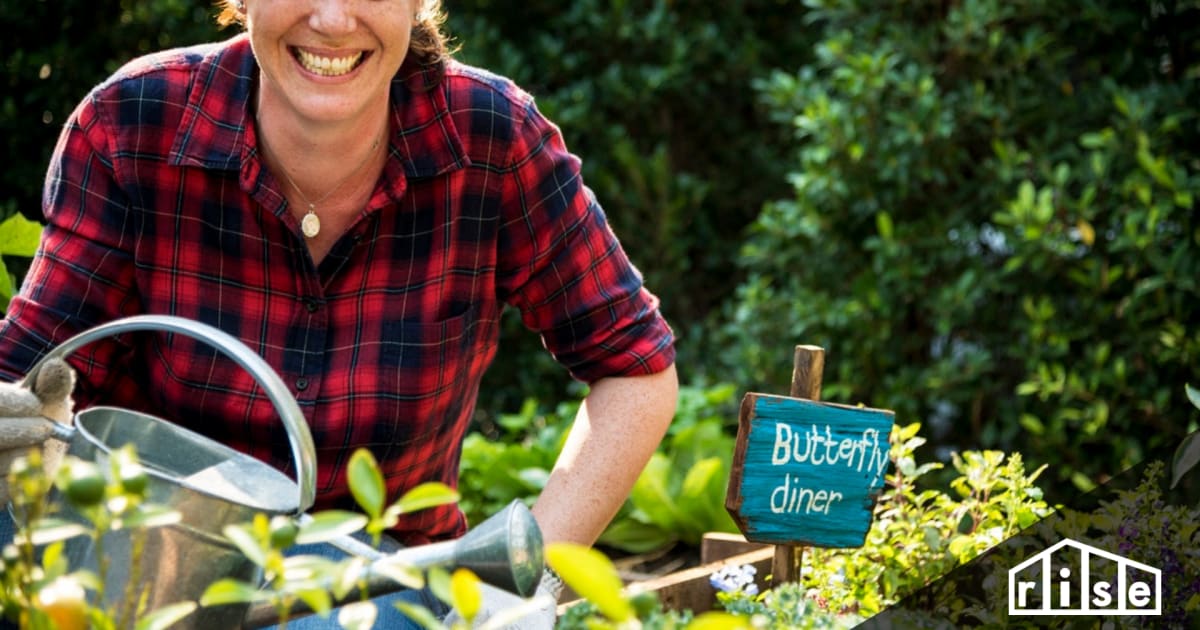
(504, 551)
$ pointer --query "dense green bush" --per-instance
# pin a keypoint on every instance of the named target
(52, 53)
(678, 497)
(657, 99)
(993, 225)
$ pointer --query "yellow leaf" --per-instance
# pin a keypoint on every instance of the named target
(718, 621)
(592, 576)
(465, 594)
(1087, 233)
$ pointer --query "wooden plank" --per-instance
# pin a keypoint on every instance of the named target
(717, 546)
(786, 564)
(689, 589)
(808, 370)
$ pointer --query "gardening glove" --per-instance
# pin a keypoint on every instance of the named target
(28, 410)
(502, 609)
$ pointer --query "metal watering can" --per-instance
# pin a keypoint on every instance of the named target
(212, 486)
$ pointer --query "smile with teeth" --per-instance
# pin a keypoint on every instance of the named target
(327, 66)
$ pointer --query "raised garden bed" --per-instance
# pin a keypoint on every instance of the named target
(680, 583)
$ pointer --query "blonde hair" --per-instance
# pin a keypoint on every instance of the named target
(430, 44)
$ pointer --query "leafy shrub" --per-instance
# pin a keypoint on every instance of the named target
(38, 588)
(679, 495)
(785, 607)
(921, 533)
(52, 53)
(41, 591)
(993, 225)
(918, 535)
(512, 463)
(19, 239)
(656, 98)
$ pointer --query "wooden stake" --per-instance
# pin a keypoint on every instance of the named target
(808, 367)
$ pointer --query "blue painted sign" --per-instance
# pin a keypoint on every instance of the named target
(806, 472)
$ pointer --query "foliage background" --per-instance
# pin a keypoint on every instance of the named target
(984, 210)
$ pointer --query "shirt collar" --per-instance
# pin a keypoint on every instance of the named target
(213, 130)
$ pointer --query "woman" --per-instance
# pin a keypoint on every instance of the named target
(334, 190)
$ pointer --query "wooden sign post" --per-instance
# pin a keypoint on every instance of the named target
(806, 473)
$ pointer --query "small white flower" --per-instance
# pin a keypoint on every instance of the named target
(731, 579)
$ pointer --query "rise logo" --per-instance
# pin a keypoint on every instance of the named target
(1071, 578)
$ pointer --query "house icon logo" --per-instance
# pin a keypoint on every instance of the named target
(1071, 578)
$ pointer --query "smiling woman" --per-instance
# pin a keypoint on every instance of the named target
(334, 190)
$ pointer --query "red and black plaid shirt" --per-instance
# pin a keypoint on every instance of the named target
(157, 201)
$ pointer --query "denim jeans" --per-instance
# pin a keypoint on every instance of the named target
(388, 616)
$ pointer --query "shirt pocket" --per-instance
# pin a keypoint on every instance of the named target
(428, 365)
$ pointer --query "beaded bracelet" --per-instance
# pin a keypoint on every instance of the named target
(551, 582)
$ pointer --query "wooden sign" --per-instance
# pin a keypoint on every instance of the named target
(805, 472)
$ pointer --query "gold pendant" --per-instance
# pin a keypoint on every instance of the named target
(310, 225)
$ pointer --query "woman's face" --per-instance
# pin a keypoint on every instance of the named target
(328, 60)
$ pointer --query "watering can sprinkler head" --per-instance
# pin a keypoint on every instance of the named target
(504, 551)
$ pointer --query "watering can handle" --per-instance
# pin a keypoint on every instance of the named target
(299, 436)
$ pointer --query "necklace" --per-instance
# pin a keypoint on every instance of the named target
(310, 224)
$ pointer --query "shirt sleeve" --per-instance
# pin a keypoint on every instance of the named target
(82, 273)
(563, 267)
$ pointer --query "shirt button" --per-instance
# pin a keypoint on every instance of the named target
(301, 384)
(312, 305)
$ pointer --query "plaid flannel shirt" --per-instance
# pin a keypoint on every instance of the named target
(157, 201)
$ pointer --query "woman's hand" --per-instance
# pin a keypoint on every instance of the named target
(28, 411)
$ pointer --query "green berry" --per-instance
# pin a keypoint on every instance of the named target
(85, 485)
(133, 478)
(644, 603)
(283, 532)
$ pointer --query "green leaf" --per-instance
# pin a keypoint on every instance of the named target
(702, 496)
(307, 569)
(231, 591)
(49, 530)
(19, 236)
(420, 615)
(438, 581)
(534, 478)
(629, 534)
(883, 223)
(53, 562)
(6, 287)
(425, 496)
(358, 616)
(650, 493)
(87, 579)
(1187, 455)
(366, 482)
(329, 524)
(348, 575)
(165, 617)
(399, 572)
(149, 516)
(318, 599)
(592, 576)
(1193, 395)
(245, 541)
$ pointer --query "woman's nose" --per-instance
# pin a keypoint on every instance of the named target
(332, 17)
